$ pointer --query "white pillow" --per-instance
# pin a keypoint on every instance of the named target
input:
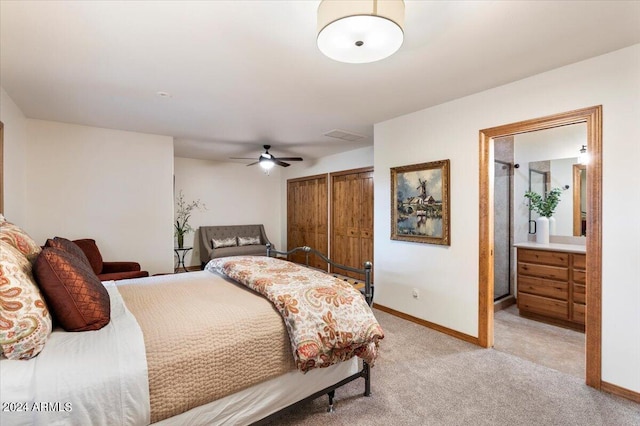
(223, 242)
(248, 241)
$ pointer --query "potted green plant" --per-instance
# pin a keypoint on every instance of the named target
(183, 213)
(545, 207)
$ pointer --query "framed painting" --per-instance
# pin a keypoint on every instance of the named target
(420, 203)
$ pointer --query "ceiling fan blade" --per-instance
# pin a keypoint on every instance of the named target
(289, 158)
(251, 164)
(281, 163)
(241, 158)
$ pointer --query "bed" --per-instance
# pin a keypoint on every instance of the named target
(169, 358)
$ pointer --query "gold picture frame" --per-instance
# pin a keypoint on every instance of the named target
(420, 203)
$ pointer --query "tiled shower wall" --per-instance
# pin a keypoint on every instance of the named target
(504, 272)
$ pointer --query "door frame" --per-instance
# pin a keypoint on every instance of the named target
(592, 117)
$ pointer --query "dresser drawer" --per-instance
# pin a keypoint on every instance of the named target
(579, 294)
(580, 261)
(543, 271)
(543, 306)
(538, 286)
(579, 277)
(555, 258)
(579, 313)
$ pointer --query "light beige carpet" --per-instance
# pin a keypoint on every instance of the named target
(555, 347)
(428, 378)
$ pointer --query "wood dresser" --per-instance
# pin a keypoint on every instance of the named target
(552, 283)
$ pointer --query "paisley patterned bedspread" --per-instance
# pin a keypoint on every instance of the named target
(328, 320)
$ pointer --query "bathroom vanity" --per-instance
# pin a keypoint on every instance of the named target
(551, 283)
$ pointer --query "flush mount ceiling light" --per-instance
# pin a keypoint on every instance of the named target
(360, 31)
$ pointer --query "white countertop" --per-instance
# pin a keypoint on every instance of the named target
(570, 248)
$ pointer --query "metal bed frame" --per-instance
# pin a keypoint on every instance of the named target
(365, 372)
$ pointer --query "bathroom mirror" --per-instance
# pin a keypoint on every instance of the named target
(539, 183)
(546, 160)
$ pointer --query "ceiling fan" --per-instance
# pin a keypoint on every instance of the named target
(267, 161)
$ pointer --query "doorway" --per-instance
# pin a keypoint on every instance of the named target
(593, 119)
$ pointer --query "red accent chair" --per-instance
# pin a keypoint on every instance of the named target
(107, 271)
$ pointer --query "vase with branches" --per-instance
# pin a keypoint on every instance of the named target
(544, 206)
(183, 213)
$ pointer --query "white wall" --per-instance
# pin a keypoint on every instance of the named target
(447, 277)
(15, 153)
(355, 159)
(234, 195)
(109, 185)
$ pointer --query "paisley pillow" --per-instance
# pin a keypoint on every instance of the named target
(25, 322)
(19, 239)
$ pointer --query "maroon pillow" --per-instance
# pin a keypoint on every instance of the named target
(69, 247)
(90, 249)
(75, 296)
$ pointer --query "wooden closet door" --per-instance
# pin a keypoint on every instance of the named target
(366, 219)
(307, 221)
(352, 219)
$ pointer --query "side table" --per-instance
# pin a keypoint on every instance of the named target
(181, 252)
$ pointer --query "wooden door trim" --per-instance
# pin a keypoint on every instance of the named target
(593, 118)
(577, 189)
(352, 171)
(302, 179)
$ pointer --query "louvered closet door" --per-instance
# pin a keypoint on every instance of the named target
(352, 219)
(307, 217)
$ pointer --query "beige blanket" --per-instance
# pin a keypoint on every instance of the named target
(205, 338)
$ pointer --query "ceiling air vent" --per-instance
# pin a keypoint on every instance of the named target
(345, 136)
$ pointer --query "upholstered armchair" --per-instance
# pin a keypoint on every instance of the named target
(107, 271)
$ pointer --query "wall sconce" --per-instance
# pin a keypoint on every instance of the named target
(583, 158)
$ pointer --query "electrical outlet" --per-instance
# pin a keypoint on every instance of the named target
(415, 293)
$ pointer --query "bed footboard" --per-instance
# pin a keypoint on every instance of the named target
(366, 270)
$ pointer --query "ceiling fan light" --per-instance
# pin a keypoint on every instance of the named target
(360, 31)
(266, 164)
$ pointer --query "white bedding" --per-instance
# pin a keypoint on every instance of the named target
(106, 368)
